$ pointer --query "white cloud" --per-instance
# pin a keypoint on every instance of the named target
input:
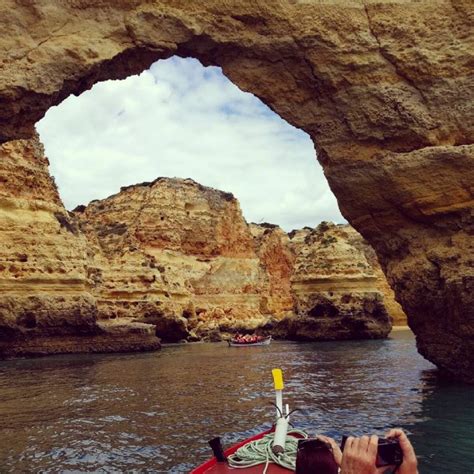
(179, 119)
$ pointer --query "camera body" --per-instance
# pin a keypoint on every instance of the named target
(389, 452)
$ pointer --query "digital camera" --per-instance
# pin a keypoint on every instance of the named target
(389, 452)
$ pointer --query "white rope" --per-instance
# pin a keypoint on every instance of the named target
(260, 451)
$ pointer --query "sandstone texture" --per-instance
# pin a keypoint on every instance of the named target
(336, 290)
(168, 258)
(393, 307)
(384, 88)
(181, 256)
(178, 255)
(46, 305)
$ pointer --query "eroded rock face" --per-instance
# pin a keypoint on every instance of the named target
(394, 309)
(46, 305)
(272, 246)
(178, 255)
(337, 290)
(384, 88)
(181, 256)
(169, 257)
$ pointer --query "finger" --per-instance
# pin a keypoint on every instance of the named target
(401, 436)
(405, 445)
(328, 440)
(373, 446)
(407, 448)
(355, 445)
(394, 433)
(336, 452)
(348, 455)
(349, 443)
(364, 443)
(334, 445)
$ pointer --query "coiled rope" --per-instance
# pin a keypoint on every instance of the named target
(260, 451)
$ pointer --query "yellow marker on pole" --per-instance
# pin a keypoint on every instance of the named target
(278, 379)
(278, 382)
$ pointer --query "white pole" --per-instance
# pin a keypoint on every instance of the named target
(279, 403)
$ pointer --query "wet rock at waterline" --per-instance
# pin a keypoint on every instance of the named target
(383, 88)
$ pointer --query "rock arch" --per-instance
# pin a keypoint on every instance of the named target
(384, 88)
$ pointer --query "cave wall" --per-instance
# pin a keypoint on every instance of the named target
(384, 88)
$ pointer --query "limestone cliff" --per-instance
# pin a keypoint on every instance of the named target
(177, 254)
(181, 256)
(169, 257)
(46, 306)
(393, 307)
(337, 290)
(277, 259)
(384, 88)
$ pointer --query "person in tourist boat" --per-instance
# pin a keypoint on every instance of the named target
(360, 455)
(247, 339)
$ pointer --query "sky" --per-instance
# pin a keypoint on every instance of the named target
(180, 119)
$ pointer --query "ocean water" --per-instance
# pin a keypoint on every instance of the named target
(154, 412)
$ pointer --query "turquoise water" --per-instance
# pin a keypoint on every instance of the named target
(154, 412)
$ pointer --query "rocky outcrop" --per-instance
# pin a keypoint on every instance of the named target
(384, 88)
(336, 289)
(181, 256)
(393, 307)
(169, 258)
(46, 305)
(276, 257)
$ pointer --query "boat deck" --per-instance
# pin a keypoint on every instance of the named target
(214, 467)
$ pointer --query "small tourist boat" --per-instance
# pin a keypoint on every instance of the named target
(242, 457)
(262, 342)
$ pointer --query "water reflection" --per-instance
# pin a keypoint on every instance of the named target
(444, 435)
(154, 412)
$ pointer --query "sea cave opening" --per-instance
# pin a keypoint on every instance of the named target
(386, 121)
(181, 119)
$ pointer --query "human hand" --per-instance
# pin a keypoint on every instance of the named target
(410, 463)
(360, 455)
(336, 450)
